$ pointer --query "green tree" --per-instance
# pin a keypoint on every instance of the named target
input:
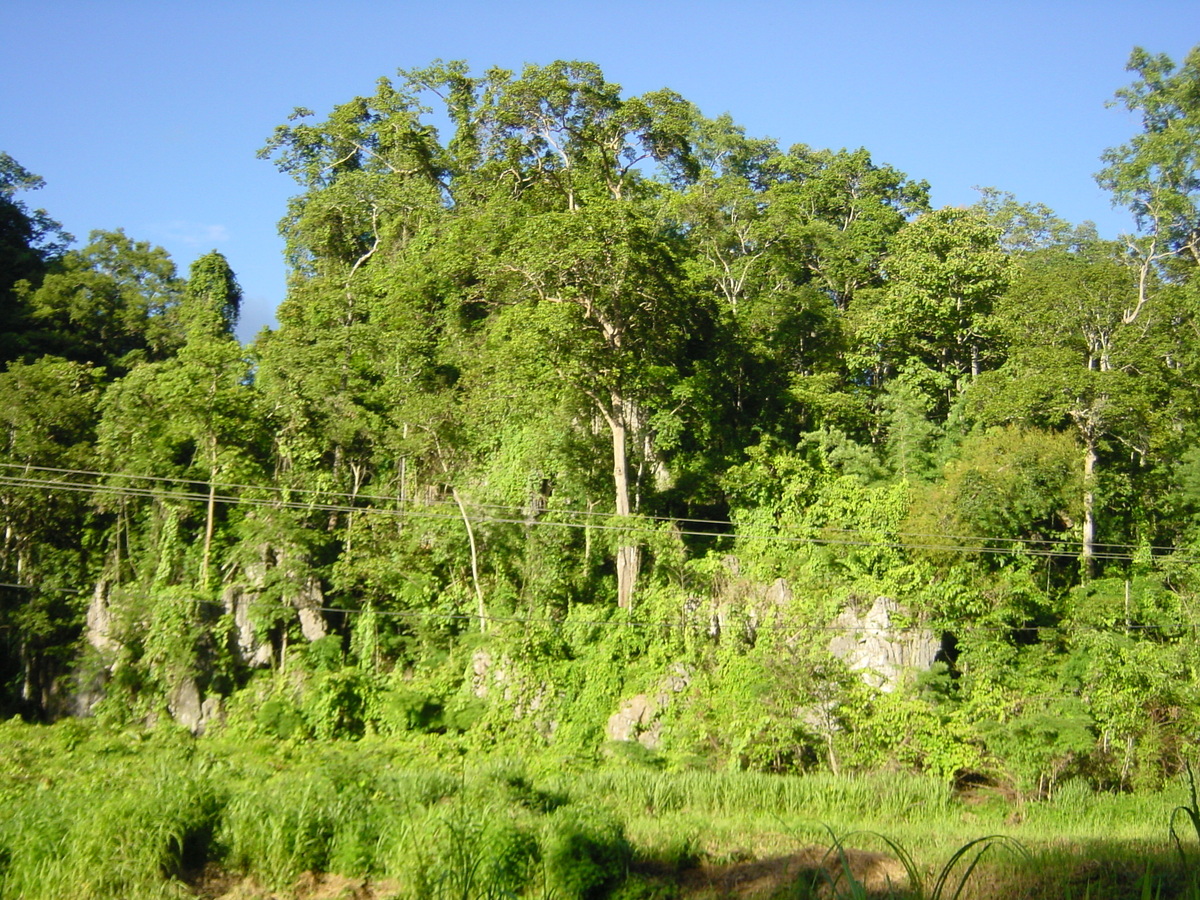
(944, 273)
(609, 302)
(1028, 227)
(191, 416)
(1157, 173)
(839, 211)
(112, 303)
(47, 432)
(29, 241)
(212, 299)
(1076, 359)
(534, 199)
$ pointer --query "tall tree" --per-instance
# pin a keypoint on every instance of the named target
(29, 241)
(212, 299)
(944, 273)
(111, 303)
(610, 303)
(1075, 359)
(1157, 173)
(190, 416)
(47, 432)
(536, 195)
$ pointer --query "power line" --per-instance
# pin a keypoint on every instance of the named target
(1030, 546)
(1074, 547)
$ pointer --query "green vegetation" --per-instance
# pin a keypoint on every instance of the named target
(93, 812)
(598, 432)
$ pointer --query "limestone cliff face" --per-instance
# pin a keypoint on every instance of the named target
(500, 680)
(640, 717)
(304, 595)
(876, 643)
(878, 649)
(239, 599)
(110, 615)
(99, 628)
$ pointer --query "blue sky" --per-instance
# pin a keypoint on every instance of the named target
(147, 115)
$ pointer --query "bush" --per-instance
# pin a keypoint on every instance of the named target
(585, 852)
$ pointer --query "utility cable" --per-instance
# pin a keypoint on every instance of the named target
(391, 499)
(1029, 547)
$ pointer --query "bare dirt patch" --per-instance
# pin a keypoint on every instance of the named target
(216, 884)
(828, 871)
(760, 879)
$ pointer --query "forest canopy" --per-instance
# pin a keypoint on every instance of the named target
(578, 394)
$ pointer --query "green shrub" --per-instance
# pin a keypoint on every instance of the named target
(585, 852)
(468, 848)
(281, 718)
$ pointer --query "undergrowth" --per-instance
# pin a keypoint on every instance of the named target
(94, 813)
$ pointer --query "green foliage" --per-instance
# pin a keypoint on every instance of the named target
(111, 303)
(586, 852)
(131, 834)
(946, 270)
(954, 873)
(1154, 174)
(280, 718)
(1044, 743)
(94, 812)
(596, 404)
(894, 729)
(1006, 486)
(288, 824)
(30, 242)
(212, 298)
(341, 704)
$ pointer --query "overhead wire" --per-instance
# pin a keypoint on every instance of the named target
(1027, 547)
(91, 488)
(940, 542)
(360, 497)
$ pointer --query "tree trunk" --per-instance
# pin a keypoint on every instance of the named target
(628, 553)
(1087, 556)
(210, 515)
(474, 560)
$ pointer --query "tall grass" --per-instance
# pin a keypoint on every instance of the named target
(90, 813)
(820, 797)
(129, 837)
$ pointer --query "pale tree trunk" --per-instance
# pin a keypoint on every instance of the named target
(474, 560)
(587, 537)
(628, 553)
(210, 515)
(462, 509)
(1087, 556)
(357, 471)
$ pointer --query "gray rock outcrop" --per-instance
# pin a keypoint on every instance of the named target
(880, 650)
(99, 627)
(640, 717)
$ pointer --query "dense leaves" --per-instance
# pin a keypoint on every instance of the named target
(597, 415)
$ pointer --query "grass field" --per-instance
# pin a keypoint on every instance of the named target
(91, 813)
